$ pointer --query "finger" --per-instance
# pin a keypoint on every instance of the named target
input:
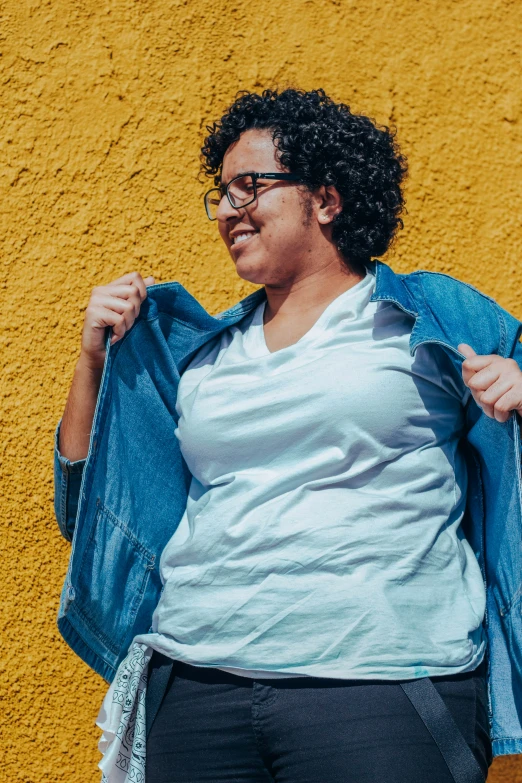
(478, 362)
(497, 390)
(101, 317)
(126, 279)
(127, 307)
(508, 402)
(466, 349)
(130, 293)
(133, 278)
(149, 281)
(467, 374)
(482, 380)
(139, 283)
(119, 289)
(119, 328)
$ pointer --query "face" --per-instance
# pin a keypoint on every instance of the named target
(270, 241)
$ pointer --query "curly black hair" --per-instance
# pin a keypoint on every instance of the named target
(324, 143)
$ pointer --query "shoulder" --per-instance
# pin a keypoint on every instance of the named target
(460, 307)
(438, 285)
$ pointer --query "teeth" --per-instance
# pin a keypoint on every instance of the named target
(242, 237)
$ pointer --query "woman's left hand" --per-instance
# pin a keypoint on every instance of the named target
(494, 382)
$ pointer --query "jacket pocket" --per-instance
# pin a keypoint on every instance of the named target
(107, 606)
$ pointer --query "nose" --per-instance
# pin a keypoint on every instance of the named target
(226, 211)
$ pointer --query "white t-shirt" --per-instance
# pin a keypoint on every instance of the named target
(322, 531)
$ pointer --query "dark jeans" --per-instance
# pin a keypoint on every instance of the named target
(214, 727)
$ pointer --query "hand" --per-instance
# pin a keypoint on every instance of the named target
(494, 382)
(116, 305)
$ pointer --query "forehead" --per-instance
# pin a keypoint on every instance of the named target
(253, 151)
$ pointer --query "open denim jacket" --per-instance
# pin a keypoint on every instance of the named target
(122, 504)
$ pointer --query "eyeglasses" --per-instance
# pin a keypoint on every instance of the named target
(240, 191)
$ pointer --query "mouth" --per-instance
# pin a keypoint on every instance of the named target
(243, 238)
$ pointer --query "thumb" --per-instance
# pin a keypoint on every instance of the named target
(467, 350)
(149, 280)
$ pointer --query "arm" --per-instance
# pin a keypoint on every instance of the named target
(117, 306)
(75, 429)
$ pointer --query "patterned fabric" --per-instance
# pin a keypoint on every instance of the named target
(122, 720)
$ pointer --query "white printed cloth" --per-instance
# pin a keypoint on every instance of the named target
(122, 720)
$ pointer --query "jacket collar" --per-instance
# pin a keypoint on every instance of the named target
(389, 287)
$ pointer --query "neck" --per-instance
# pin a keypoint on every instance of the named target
(311, 292)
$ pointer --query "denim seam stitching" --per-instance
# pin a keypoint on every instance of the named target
(63, 506)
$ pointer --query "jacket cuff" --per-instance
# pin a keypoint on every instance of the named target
(65, 464)
(67, 483)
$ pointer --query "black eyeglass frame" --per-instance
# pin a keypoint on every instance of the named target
(255, 176)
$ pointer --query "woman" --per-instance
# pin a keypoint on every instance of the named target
(318, 595)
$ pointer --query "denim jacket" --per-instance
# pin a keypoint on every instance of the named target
(121, 505)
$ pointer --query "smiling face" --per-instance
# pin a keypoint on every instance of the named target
(271, 241)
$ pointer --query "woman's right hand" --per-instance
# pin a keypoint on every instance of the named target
(116, 305)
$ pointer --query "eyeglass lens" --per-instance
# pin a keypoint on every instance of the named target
(241, 191)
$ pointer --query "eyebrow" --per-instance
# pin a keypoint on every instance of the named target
(239, 174)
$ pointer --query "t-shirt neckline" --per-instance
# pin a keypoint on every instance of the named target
(256, 330)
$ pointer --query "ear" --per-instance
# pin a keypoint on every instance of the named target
(330, 203)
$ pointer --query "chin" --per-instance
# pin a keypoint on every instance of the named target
(252, 271)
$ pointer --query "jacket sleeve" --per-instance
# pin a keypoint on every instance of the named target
(67, 482)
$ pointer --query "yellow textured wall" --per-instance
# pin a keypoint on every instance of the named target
(103, 103)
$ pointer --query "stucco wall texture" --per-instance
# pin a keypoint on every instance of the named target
(103, 108)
